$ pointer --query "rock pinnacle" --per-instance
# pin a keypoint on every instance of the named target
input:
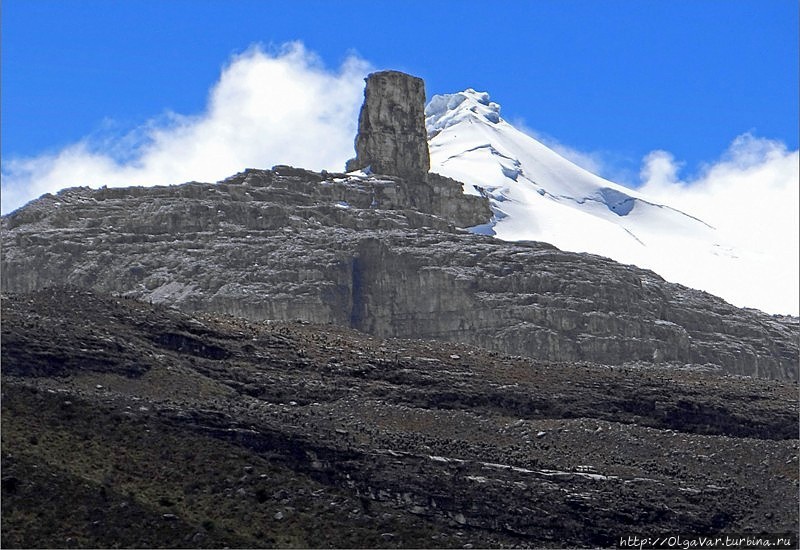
(391, 127)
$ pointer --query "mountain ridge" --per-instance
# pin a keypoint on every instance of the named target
(384, 254)
(288, 358)
(292, 244)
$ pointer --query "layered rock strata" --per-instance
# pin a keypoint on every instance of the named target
(392, 141)
(331, 248)
(392, 138)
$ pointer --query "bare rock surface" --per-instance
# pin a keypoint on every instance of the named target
(136, 425)
(392, 138)
(381, 253)
(355, 251)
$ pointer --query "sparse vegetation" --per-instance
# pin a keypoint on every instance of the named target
(300, 435)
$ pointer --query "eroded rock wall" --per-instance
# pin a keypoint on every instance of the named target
(392, 141)
(392, 138)
(291, 244)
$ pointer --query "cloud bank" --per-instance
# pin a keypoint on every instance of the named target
(266, 108)
(751, 195)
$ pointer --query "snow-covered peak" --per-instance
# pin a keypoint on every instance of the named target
(536, 194)
(448, 109)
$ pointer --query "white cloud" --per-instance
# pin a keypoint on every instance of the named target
(265, 109)
(751, 195)
(659, 168)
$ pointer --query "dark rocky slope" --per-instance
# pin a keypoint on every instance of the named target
(128, 424)
(328, 248)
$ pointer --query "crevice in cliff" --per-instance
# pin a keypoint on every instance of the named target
(358, 307)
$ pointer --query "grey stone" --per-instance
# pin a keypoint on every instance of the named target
(381, 254)
(392, 138)
(277, 244)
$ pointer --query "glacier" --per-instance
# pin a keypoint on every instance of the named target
(537, 194)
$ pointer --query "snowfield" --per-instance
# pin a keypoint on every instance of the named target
(536, 194)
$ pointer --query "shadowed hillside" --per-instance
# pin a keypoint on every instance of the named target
(136, 425)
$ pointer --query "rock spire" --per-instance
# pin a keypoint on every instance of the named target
(391, 127)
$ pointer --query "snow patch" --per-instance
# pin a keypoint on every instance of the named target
(446, 110)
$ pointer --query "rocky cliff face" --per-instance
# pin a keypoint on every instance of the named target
(393, 141)
(380, 253)
(351, 250)
(392, 138)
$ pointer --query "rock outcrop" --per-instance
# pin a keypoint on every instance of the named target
(380, 253)
(135, 425)
(331, 248)
(392, 138)
(392, 141)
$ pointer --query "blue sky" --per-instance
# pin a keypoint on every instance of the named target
(614, 79)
